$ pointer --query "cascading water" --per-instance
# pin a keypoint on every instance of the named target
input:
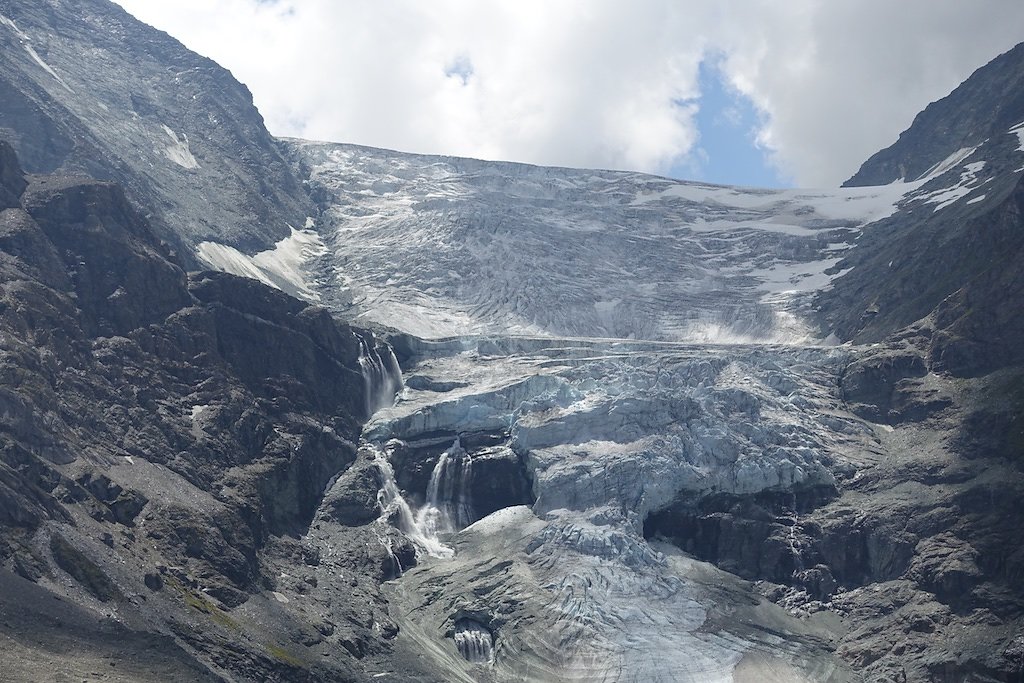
(474, 642)
(794, 545)
(382, 377)
(382, 380)
(448, 507)
(393, 504)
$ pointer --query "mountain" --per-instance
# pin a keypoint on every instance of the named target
(951, 258)
(983, 108)
(88, 89)
(519, 424)
(163, 437)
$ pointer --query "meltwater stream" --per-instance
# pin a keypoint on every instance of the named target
(447, 505)
(382, 377)
(394, 506)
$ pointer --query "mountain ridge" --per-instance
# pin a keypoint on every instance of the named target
(109, 114)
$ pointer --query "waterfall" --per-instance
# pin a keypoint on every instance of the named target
(794, 545)
(392, 503)
(474, 642)
(448, 507)
(382, 377)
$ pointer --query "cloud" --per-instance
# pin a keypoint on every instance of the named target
(594, 83)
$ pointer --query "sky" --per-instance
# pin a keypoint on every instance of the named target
(747, 92)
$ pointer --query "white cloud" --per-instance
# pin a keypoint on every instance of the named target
(594, 83)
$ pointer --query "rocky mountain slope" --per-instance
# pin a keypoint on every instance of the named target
(623, 442)
(163, 440)
(87, 88)
(954, 260)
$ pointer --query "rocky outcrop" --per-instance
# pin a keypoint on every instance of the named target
(949, 261)
(985, 106)
(12, 181)
(162, 437)
(892, 384)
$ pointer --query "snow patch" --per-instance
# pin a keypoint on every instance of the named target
(179, 151)
(963, 187)
(197, 428)
(282, 267)
(790, 278)
(1018, 130)
(950, 162)
(862, 205)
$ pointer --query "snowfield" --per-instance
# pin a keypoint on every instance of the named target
(439, 246)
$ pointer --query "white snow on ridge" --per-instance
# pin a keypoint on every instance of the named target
(949, 163)
(967, 183)
(862, 205)
(1018, 130)
(283, 267)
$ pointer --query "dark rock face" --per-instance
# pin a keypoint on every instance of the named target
(755, 537)
(119, 100)
(353, 500)
(148, 419)
(955, 268)
(986, 105)
(12, 181)
(890, 385)
(954, 272)
(120, 281)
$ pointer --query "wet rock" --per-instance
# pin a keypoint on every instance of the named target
(756, 537)
(352, 500)
(12, 180)
(499, 480)
(497, 477)
(474, 641)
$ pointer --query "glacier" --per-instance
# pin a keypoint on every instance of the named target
(502, 248)
(608, 431)
(627, 345)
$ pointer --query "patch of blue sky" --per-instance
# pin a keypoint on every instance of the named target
(460, 68)
(727, 152)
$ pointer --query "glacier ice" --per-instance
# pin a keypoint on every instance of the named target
(498, 248)
(611, 431)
